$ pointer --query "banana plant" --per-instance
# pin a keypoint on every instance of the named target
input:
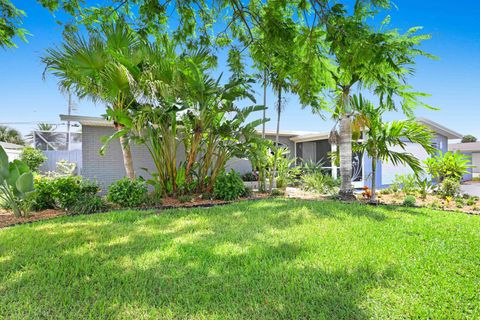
(16, 183)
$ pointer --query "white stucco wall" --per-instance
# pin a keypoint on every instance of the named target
(389, 170)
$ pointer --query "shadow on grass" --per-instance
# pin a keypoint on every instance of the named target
(220, 262)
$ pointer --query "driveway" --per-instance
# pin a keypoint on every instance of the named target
(471, 188)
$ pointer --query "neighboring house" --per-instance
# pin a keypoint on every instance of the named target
(308, 146)
(471, 149)
(13, 150)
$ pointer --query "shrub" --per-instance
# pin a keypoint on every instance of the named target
(448, 165)
(153, 199)
(247, 192)
(63, 169)
(386, 191)
(471, 202)
(61, 192)
(450, 187)
(409, 201)
(33, 158)
(469, 138)
(277, 193)
(87, 204)
(127, 193)
(406, 182)
(319, 182)
(228, 186)
(459, 202)
(249, 176)
(424, 187)
(16, 183)
(185, 198)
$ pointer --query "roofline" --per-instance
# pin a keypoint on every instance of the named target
(296, 136)
(310, 137)
(437, 127)
(287, 133)
(11, 146)
(87, 121)
(465, 146)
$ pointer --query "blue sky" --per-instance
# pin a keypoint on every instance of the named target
(453, 80)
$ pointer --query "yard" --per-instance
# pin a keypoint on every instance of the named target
(267, 259)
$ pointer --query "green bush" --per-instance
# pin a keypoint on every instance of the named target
(386, 191)
(87, 204)
(127, 193)
(247, 192)
(460, 202)
(450, 187)
(407, 183)
(319, 182)
(154, 199)
(62, 192)
(469, 138)
(448, 165)
(249, 176)
(33, 158)
(471, 202)
(424, 187)
(185, 198)
(277, 193)
(409, 201)
(228, 186)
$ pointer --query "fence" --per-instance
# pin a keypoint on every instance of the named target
(53, 156)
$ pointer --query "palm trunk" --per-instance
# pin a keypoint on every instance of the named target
(345, 143)
(263, 176)
(277, 138)
(374, 183)
(127, 156)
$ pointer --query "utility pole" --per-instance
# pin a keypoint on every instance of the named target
(70, 107)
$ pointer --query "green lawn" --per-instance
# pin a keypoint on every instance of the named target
(269, 259)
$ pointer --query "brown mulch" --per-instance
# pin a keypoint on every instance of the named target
(8, 219)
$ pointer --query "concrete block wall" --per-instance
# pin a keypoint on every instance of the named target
(109, 168)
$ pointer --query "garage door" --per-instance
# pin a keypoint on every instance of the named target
(389, 170)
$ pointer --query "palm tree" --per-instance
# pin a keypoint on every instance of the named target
(380, 137)
(103, 68)
(10, 135)
(378, 61)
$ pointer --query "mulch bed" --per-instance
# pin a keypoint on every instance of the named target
(7, 219)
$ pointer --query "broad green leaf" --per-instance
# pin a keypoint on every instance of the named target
(24, 183)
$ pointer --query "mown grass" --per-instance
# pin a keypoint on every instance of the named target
(270, 259)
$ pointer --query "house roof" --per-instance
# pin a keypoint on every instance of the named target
(438, 128)
(468, 147)
(8, 145)
(296, 136)
(288, 133)
(87, 121)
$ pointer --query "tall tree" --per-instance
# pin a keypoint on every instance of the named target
(11, 135)
(363, 58)
(380, 137)
(103, 68)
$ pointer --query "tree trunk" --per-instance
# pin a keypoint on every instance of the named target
(263, 182)
(345, 144)
(127, 157)
(373, 198)
(277, 137)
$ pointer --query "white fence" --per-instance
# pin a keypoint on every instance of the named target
(53, 156)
